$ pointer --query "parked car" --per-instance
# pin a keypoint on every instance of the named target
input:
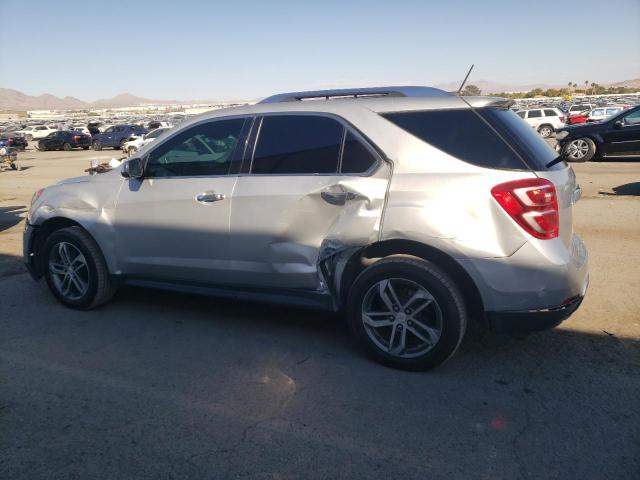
(403, 207)
(138, 141)
(600, 113)
(614, 137)
(544, 120)
(65, 140)
(14, 140)
(116, 136)
(37, 132)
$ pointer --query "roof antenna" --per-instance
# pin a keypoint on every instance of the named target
(465, 79)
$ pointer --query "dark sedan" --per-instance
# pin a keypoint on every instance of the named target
(65, 140)
(116, 136)
(614, 137)
(16, 141)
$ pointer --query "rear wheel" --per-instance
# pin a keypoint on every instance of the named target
(85, 148)
(407, 313)
(545, 131)
(29, 138)
(580, 150)
(97, 146)
(66, 147)
(75, 269)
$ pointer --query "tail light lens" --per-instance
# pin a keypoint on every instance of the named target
(562, 119)
(76, 138)
(532, 203)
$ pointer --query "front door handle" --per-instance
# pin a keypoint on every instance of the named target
(209, 197)
(337, 198)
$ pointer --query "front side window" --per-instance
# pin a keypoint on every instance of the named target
(632, 118)
(356, 157)
(297, 144)
(613, 111)
(206, 149)
(535, 114)
(109, 130)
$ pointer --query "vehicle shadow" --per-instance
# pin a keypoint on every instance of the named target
(562, 350)
(628, 189)
(10, 216)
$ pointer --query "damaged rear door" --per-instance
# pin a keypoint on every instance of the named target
(313, 188)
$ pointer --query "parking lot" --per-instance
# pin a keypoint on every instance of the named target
(166, 385)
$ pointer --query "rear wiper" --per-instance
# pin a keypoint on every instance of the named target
(555, 161)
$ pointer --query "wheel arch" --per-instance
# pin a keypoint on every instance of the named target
(362, 258)
(45, 230)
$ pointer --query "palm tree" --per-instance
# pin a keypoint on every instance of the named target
(570, 84)
(593, 87)
(575, 85)
(586, 86)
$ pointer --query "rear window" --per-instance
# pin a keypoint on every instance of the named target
(524, 139)
(462, 134)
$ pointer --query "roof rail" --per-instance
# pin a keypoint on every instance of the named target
(402, 91)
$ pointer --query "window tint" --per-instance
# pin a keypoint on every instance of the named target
(524, 139)
(462, 134)
(297, 144)
(597, 112)
(356, 158)
(633, 118)
(550, 113)
(535, 114)
(521, 114)
(206, 149)
(613, 111)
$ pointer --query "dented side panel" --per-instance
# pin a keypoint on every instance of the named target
(284, 226)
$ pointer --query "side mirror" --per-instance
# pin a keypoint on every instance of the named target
(618, 124)
(133, 168)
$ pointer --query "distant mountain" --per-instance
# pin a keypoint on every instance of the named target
(487, 86)
(635, 83)
(15, 100)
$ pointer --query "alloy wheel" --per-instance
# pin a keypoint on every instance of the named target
(69, 270)
(401, 317)
(577, 149)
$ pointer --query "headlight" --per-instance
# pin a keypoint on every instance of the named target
(562, 135)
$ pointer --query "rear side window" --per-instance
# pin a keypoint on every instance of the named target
(521, 114)
(462, 134)
(301, 144)
(535, 114)
(525, 140)
(550, 113)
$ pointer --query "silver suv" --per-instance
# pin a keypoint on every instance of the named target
(409, 209)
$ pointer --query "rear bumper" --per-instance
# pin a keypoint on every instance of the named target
(532, 320)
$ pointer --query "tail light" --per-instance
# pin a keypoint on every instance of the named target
(562, 119)
(76, 138)
(532, 203)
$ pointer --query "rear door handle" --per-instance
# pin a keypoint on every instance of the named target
(337, 198)
(209, 197)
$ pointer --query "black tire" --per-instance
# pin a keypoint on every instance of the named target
(99, 288)
(545, 131)
(66, 147)
(85, 148)
(121, 147)
(97, 146)
(28, 138)
(447, 298)
(131, 151)
(571, 154)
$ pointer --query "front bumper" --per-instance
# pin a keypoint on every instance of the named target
(532, 320)
(28, 237)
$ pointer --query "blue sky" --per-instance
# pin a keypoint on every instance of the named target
(223, 50)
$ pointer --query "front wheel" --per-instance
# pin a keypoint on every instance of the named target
(66, 147)
(97, 146)
(580, 150)
(407, 313)
(75, 269)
